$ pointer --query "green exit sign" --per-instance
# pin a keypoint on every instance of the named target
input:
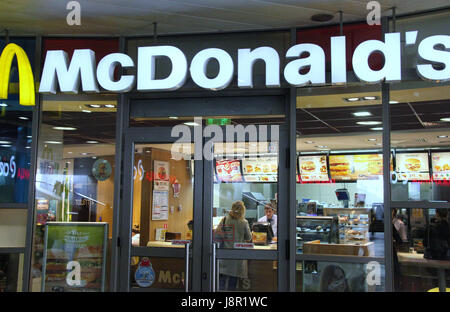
(218, 121)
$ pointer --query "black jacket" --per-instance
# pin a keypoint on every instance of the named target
(437, 240)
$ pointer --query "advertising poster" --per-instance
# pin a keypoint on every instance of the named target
(160, 206)
(342, 167)
(74, 257)
(161, 179)
(368, 167)
(440, 163)
(412, 166)
(260, 169)
(229, 170)
(313, 168)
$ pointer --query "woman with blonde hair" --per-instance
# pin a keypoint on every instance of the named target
(231, 270)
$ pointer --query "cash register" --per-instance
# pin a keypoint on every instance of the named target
(343, 196)
(262, 233)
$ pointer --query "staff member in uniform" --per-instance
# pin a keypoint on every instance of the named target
(270, 216)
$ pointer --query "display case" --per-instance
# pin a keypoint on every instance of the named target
(353, 224)
(323, 229)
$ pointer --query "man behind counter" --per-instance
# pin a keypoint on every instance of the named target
(270, 216)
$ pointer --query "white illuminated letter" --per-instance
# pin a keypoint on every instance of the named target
(146, 68)
(246, 60)
(390, 49)
(74, 276)
(338, 60)
(105, 73)
(316, 61)
(198, 69)
(428, 52)
(57, 69)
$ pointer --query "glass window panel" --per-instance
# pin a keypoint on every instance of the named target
(11, 272)
(75, 168)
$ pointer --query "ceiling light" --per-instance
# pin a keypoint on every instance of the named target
(309, 142)
(69, 152)
(446, 119)
(29, 136)
(393, 102)
(190, 123)
(371, 140)
(53, 142)
(321, 17)
(378, 144)
(362, 114)
(173, 117)
(23, 118)
(370, 98)
(368, 123)
(65, 128)
(110, 106)
(86, 111)
(92, 142)
(3, 104)
(84, 154)
(352, 99)
(5, 145)
(321, 146)
(94, 105)
(442, 136)
(5, 142)
(27, 146)
(376, 129)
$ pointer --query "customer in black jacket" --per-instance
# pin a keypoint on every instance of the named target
(437, 237)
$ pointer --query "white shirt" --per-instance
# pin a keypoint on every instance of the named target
(401, 228)
(273, 223)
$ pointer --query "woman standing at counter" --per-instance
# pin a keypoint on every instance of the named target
(231, 270)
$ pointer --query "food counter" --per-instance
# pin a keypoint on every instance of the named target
(170, 245)
(362, 250)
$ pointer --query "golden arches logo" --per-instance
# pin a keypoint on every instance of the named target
(26, 79)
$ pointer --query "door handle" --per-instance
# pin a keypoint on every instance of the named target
(186, 269)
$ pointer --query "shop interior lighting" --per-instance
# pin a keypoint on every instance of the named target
(65, 128)
(29, 136)
(442, 136)
(362, 114)
(393, 102)
(5, 142)
(91, 142)
(376, 129)
(173, 117)
(309, 142)
(23, 118)
(368, 123)
(3, 104)
(446, 119)
(110, 106)
(27, 146)
(352, 99)
(53, 142)
(371, 140)
(369, 98)
(86, 111)
(94, 105)
(321, 146)
(5, 145)
(191, 123)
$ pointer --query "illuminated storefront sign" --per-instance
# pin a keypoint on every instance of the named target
(26, 79)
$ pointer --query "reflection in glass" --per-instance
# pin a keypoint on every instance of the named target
(254, 275)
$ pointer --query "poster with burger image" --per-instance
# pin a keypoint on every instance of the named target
(412, 166)
(440, 163)
(313, 168)
(342, 168)
(368, 166)
(229, 170)
(161, 178)
(74, 257)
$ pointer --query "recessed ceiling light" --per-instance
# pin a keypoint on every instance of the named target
(84, 154)
(65, 128)
(5, 145)
(3, 104)
(393, 102)
(378, 144)
(362, 114)
(94, 105)
(94, 157)
(110, 105)
(53, 142)
(194, 124)
(29, 136)
(377, 128)
(446, 119)
(309, 142)
(86, 111)
(321, 146)
(352, 99)
(23, 118)
(173, 117)
(368, 123)
(5, 142)
(27, 146)
(370, 98)
(442, 136)
(371, 140)
(92, 142)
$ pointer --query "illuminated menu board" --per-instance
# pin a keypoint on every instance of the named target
(262, 169)
(412, 166)
(441, 166)
(313, 168)
(229, 170)
(356, 167)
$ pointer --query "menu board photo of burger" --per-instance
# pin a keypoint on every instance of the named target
(74, 257)
(313, 168)
(368, 166)
(341, 167)
(262, 169)
(440, 163)
(412, 167)
(229, 170)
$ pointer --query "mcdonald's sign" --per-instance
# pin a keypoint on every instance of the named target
(26, 79)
